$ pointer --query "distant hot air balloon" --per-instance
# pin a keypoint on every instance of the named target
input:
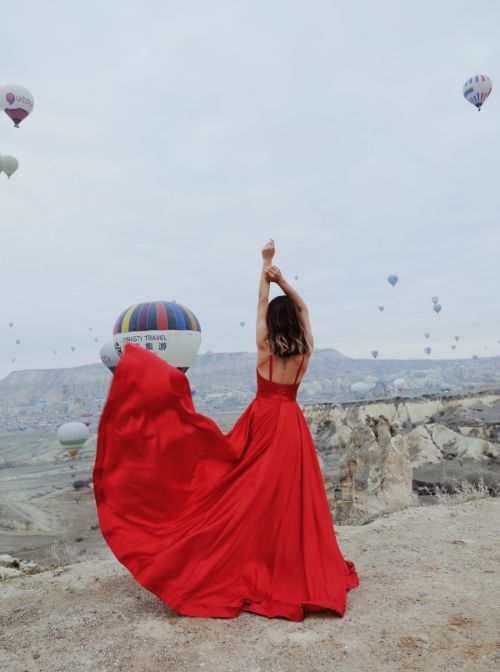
(296, 277)
(427, 334)
(435, 299)
(9, 164)
(165, 328)
(54, 352)
(427, 351)
(476, 89)
(393, 279)
(90, 328)
(17, 102)
(96, 340)
(13, 359)
(453, 347)
(72, 435)
(110, 356)
(475, 357)
(457, 338)
(381, 308)
(437, 307)
(86, 418)
(399, 385)
(360, 389)
(72, 348)
(242, 324)
(18, 341)
(11, 324)
(374, 354)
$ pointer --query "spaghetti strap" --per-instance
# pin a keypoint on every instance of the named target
(298, 370)
(271, 368)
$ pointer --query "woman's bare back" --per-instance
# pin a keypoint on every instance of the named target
(284, 369)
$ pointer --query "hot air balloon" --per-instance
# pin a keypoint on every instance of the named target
(427, 351)
(96, 340)
(374, 354)
(72, 435)
(11, 324)
(165, 328)
(475, 357)
(110, 356)
(18, 341)
(72, 348)
(90, 328)
(427, 334)
(393, 279)
(453, 347)
(359, 389)
(86, 418)
(457, 338)
(13, 359)
(296, 277)
(437, 307)
(54, 352)
(242, 324)
(476, 89)
(435, 299)
(17, 102)
(399, 385)
(9, 164)
(381, 308)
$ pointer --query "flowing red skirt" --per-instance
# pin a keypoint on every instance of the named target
(213, 523)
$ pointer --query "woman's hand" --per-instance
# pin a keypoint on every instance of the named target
(273, 274)
(268, 251)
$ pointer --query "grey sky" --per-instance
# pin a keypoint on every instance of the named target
(170, 140)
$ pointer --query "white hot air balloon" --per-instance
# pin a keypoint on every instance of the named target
(109, 356)
(399, 385)
(9, 164)
(476, 89)
(360, 389)
(72, 435)
(17, 102)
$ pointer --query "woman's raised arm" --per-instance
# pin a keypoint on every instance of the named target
(274, 274)
(263, 300)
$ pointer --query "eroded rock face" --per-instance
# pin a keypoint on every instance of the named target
(375, 473)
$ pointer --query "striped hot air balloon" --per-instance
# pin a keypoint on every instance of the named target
(166, 328)
(476, 89)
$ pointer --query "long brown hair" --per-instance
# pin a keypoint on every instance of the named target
(286, 333)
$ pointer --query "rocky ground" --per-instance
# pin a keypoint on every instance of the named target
(427, 600)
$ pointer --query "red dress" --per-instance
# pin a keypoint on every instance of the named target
(214, 523)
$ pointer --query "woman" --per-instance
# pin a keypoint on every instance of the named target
(212, 523)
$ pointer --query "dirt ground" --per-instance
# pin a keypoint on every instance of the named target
(428, 600)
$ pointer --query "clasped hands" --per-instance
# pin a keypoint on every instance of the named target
(272, 273)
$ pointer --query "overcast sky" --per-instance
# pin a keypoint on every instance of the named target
(170, 140)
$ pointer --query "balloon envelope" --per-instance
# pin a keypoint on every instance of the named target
(456, 338)
(476, 89)
(9, 164)
(427, 334)
(393, 279)
(437, 307)
(427, 351)
(453, 347)
(242, 324)
(381, 308)
(109, 356)
(374, 354)
(72, 435)
(86, 418)
(399, 385)
(165, 328)
(17, 102)
(359, 389)
(435, 299)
